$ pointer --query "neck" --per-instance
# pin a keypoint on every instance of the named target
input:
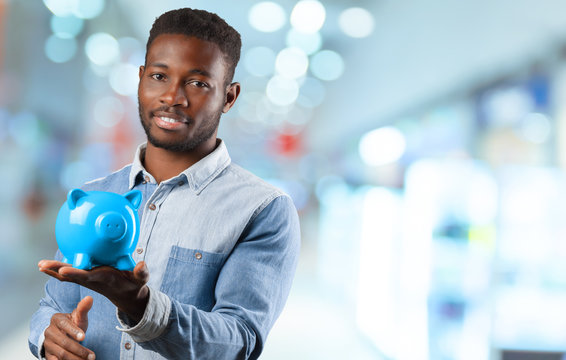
(164, 164)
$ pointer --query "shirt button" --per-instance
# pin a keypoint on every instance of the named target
(139, 250)
(128, 346)
(180, 183)
(152, 206)
(198, 256)
(146, 179)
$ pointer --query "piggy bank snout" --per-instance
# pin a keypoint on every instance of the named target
(111, 226)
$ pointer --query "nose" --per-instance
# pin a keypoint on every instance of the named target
(174, 95)
(110, 226)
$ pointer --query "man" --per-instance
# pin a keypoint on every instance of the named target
(218, 247)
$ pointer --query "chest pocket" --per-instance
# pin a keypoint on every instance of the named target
(191, 276)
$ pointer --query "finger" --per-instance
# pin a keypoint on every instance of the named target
(67, 351)
(141, 272)
(62, 338)
(51, 265)
(65, 325)
(80, 314)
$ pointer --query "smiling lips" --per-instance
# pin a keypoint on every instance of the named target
(169, 123)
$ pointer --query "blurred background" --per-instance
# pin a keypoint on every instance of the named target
(423, 143)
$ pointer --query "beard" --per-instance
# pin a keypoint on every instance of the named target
(204, 132)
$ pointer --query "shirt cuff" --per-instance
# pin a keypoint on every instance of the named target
(40, 342)
(153, 322)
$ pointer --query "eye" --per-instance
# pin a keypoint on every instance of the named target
(158, 76)
(198, 84)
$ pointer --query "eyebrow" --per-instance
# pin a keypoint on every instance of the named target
(192, 71)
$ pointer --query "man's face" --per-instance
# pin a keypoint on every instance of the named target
(182, 93)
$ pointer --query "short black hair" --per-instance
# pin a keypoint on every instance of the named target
(202, 25)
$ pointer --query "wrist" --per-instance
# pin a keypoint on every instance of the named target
(135, 306)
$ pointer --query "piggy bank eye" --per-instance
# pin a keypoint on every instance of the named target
(73, 196)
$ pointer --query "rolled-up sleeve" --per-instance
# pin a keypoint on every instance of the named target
(250, 293)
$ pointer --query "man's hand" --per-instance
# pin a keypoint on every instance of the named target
(126, 289)
(64, 333)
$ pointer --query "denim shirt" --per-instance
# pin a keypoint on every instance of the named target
(221, 246)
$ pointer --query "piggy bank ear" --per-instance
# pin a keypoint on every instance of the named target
(134, 197)
(73, 196)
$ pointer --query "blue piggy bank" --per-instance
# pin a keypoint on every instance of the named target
(98, 228)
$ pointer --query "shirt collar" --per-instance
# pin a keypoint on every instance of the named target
(198, 176)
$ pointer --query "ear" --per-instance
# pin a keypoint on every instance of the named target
(134, 197)
(73, 196)
(232, 93)
(142, 69)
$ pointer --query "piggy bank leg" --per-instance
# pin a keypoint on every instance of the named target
(82, 261)
(125, 263)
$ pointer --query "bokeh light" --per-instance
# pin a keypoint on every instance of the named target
(260, 61)
(60, 50)
(327, 65)
(67, 26)
(308, 42)
(282, 90)
(382, 146)
(124, 79)
(102, 49)
(356, 22)
(61, 7)
(291, 62)
(308, 16)
(267, 16)
(536, 128)
(89, 9)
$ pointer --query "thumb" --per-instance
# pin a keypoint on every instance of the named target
(141, 273)
(80, 314)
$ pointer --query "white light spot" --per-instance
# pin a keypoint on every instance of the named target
(282, 91)
(327, 65)
(382, 146)
(308, 42)
(61, 7)
(102, 49)
(267, 16)
(124, 79)
(292, 62)
(356, 22)
(308, 16)
(536, 128)
(88, 9)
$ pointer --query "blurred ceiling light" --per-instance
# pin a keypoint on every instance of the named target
(356, 22)
(60, 50)
(108, 111)
(102, 49)
(312, 93)
(291, 62)
(260, 61)
(382, 146)
(308, 42)
(536, 128)
(282, 90)
(66, 27)
(89, 9)
(308, 16)
(124, 79)
(327, 65)
(267, 16)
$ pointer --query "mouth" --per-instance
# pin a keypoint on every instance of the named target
(169, 121)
